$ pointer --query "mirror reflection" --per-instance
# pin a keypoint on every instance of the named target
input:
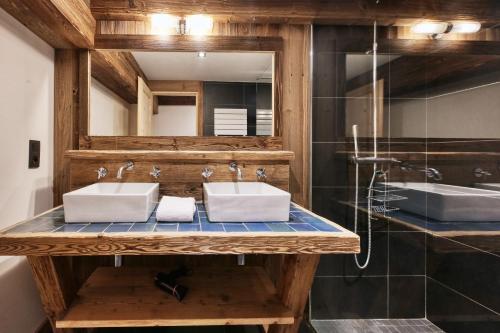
(459, 93)
(181, 93)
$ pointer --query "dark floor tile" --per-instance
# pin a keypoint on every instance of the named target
(342, 265)
(345, 298)
(469, 271)
(405, 304)
(456, 314)
(407, 253)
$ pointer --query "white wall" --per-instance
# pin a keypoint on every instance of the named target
(26, 112)
(173, 120)
(109, 113)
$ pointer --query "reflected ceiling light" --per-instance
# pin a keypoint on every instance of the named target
(202, 54)
(465, 27)
(164, 24)
(199, 24)
(430, 28)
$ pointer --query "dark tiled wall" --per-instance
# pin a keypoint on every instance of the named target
(463, 285)
(397, 262)
(250, 96)
(454, 281)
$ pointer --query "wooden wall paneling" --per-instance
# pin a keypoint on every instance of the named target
(306, 11)
(181, 178)
(295, 128)
(66, 118)
(115, 71)
(84, 92)
(206, 143)
(61, 23)
(145, 105)
(184, 43)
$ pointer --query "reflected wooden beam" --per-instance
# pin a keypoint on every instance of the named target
(410, 75)
(304, 11)
(118, 71)
(61, 23)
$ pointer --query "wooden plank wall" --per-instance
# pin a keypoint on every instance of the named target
(66, 117)
(180, 143)
(295, 71)
(178, 178)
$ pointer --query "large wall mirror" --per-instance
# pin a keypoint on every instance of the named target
(150, 93)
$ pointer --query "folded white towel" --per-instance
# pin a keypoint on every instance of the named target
(175, 209)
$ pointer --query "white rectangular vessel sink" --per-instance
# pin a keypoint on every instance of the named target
(488, 186)
(448, 202)
(111, 202)
(245, 202)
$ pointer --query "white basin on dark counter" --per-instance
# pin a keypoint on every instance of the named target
(245, 202)
(448, 202)
(111, 202)
(488, 186)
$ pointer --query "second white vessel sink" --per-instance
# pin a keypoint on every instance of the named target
(448, 202)
(111, 202)
(245, 202)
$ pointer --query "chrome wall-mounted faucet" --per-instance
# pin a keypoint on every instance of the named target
(233, 167)
(479, 173)
(128, 166)
(156, 172)
(206, 173)
(261, 174)
(102, 172)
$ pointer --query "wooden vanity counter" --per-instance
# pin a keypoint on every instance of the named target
(272, 295)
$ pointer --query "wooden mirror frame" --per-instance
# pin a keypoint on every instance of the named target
(180, 44)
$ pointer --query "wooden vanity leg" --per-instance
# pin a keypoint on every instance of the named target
(53, 278)
(293, 284)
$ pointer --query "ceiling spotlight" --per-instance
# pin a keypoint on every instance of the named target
(465, 27)
(430, 28)
(164, 24)
(202, 54)
(199, 24)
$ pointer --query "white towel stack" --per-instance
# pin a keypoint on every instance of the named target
(175, 209)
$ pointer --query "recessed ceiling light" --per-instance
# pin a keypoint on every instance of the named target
(430, 28)
(465, 27)
(202, 54)
(199, 24)
(164, 24)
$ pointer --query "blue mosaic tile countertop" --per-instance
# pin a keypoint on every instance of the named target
(443, 226)
(423, 223)
(301, 221)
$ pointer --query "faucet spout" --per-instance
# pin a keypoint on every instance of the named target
(128, 166)
(233, 167)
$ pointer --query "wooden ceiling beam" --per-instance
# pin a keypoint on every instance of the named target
(188, 43)
(61, 23)
(304, 11)
(117, 72)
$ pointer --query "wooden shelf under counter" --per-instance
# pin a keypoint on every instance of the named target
(127, 297)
